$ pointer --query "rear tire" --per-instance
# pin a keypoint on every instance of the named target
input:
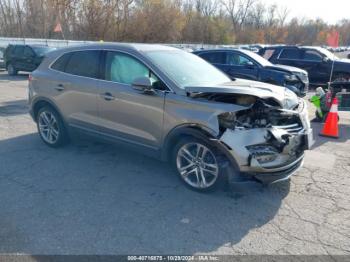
(198, 164)
(11, 70)
(51, 127)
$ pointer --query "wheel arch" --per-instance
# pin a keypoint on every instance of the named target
(40, 102)
(179, 132)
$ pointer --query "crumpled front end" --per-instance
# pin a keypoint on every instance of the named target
(267, 142)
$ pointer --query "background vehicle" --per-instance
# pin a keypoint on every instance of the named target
(2, 63)
(316, 61)
(24, 57)
(239, 63)
(184, 111)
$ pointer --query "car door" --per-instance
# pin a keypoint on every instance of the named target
(128, 114)
(74, 86)
(314, 63)
(238, 65)
(28, 59)
(290, 56)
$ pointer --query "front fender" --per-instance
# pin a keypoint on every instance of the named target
(184, 130)
(274, 77)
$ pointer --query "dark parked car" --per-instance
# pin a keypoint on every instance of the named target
(2, 64)
(317, 61)
(24, 57)
(238, 63)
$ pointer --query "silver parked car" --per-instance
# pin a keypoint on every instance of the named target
(173, 105)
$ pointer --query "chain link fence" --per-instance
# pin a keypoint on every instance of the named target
(5, 41)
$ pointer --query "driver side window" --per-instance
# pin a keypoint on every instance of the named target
(312, 55)
(123, 68)
(237, 60)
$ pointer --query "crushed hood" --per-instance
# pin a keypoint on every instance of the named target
(286, 98)
(247, 87)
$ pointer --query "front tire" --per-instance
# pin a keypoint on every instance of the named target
(198, 164)
(51, 127)
(11, 70)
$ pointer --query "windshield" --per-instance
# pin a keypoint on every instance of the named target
(186, 69)
(41, 51)
(327, 53)
(259, 59)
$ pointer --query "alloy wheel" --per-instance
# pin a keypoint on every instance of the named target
(48, 127)
(197, 165)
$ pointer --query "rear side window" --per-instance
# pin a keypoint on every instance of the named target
(60, 64)
(268, 53)
(214, 57)
(290, 54)
(84, 63)
(9, 50)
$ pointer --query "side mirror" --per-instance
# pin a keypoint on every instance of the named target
(325, 59)
(143, 84)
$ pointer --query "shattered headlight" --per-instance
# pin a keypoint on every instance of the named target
(290, 99)
(263, 153)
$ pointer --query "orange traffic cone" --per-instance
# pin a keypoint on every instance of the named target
(330, 128)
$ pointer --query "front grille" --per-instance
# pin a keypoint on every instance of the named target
(292, 129)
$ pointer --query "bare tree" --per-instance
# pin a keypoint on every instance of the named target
(198, 21)
(282, 14)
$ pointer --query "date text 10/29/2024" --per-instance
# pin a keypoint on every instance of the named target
(173, 258)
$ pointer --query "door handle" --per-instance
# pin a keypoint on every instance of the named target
(59, 87)
(108, 96)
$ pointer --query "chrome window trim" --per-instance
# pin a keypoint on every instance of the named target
(104, 80)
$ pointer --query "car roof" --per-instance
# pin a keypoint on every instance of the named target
(12, 46)
(244, 51)
(130, 46)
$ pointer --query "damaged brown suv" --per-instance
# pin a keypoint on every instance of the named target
(173, 105)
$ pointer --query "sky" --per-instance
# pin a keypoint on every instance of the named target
(329, 10)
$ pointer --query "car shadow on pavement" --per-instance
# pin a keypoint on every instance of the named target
(15, 107)
(94, 198)
(344, 134)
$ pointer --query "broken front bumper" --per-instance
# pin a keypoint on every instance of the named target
(270, 154)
